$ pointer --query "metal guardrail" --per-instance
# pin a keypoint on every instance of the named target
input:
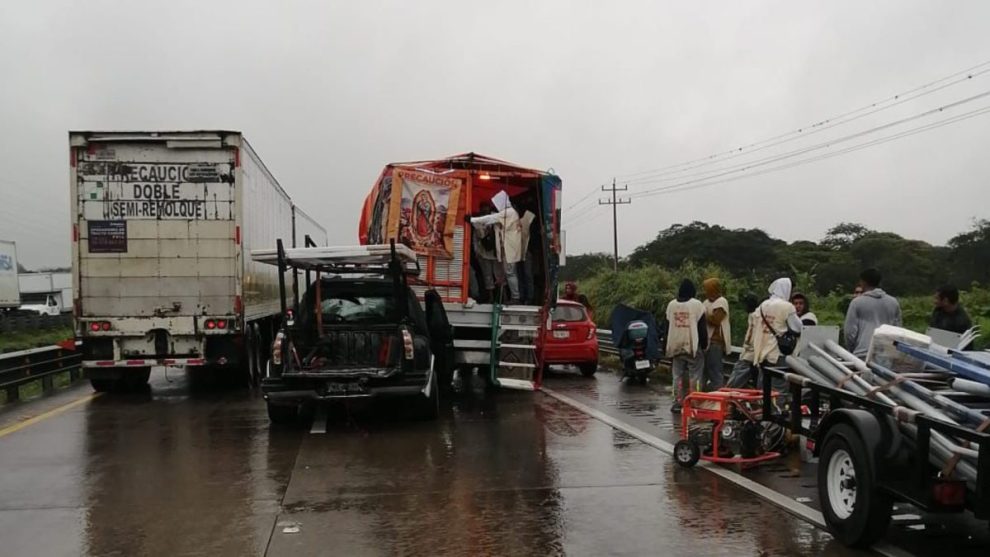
(26, 366)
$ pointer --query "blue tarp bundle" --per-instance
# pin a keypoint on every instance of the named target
(622, 316)
(967, 367)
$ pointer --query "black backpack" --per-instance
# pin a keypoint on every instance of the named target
(786, 341)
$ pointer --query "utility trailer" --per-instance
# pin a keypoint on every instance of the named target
(163, 224)
(866, 463)
(427, 205)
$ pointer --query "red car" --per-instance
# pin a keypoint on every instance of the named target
(572, 339)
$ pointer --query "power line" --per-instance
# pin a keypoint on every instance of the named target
(677, 174)
(802, 131)
(676, 188)
(749, 165)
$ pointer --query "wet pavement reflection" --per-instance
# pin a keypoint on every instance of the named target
(186, 471)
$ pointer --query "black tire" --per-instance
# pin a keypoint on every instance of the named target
(103, 385)
(860, 514)
(686, 453)
(282, 414)
(588, 369)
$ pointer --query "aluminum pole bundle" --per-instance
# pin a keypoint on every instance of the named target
(831, 367)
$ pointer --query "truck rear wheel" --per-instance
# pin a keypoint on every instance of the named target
(135, 379)
(856, 512)
(103, 385)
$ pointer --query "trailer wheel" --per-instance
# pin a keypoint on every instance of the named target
(686, 453)
(856, 512)
(282, 414)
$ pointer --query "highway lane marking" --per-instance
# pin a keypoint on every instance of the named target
(44, 416)
(319, 421)
(786, 503)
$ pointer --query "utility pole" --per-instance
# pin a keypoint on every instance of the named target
(615, 202)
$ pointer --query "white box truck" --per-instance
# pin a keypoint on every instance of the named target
(10, 294)
(46, 293)
(163, 226)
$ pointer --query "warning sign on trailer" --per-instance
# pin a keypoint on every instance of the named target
(143, 190)
(107, 236)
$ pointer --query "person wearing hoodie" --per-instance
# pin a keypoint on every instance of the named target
(719, 334)
(686, 340)
(774, 317)
(868, 311)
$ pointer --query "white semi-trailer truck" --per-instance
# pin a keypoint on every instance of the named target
(163, 225)
(10, 295)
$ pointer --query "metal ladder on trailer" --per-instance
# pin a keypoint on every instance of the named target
(513, 361)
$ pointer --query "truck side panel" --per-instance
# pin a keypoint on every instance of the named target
(266, 217)
(306, 225)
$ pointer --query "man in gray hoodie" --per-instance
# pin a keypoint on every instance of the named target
(867, 312)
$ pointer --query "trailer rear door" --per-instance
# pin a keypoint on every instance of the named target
(156, 225)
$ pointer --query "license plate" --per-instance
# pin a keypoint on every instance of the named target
(561, 334)
(642, 364)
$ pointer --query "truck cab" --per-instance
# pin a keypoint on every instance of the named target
(45, 304)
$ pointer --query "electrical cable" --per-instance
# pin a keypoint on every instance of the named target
(675, 188)
(801, 131)
(743, 167)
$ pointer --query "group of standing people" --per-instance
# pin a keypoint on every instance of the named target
(500, 245)
(698, 334)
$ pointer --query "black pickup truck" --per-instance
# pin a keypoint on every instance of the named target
(359, 332)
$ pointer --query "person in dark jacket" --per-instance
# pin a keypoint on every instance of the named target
(949, 314)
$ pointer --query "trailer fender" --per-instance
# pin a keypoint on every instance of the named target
(866, 425)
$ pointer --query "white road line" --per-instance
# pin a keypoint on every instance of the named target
(801, 511)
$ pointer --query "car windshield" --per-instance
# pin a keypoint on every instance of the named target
(344, 308)
(568, 313)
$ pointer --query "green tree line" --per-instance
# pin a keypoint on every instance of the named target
(826, 271)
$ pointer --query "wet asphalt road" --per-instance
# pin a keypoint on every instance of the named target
(186, 471)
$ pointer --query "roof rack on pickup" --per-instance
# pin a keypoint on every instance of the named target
(371, 259)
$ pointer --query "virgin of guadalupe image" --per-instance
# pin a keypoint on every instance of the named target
(424, 209)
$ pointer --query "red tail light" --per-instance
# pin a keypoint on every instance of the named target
(97, 326)
(385, 352)
(94, 326)
(211, 324)
(591, 333)
(105, 325)
(221, 323)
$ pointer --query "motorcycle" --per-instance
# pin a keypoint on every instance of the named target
(634, 333)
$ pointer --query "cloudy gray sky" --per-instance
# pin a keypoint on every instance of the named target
(328, 93)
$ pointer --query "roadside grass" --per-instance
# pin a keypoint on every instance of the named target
(23, 340)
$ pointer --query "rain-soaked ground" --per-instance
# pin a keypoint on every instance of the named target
(187, 471)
